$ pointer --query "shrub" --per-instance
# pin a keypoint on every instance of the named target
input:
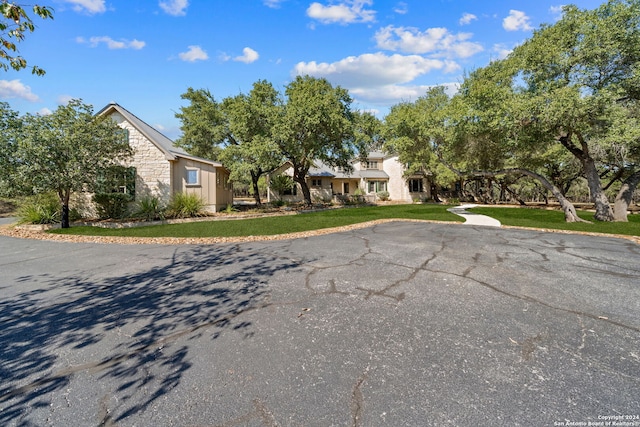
(111, 205)
(40, 209)
(149, 208)
(281, 184)
(230, 209)
(183, 205)
(383, 195)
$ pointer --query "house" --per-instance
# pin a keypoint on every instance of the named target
(380, 173)
(162, 169)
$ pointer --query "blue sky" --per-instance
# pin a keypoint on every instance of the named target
(143, 54)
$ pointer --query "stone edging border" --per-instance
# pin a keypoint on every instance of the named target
(12, 231)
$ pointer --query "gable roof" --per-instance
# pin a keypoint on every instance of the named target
(164, 144)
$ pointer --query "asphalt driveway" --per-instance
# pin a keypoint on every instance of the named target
(401, 324)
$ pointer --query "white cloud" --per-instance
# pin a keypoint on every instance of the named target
(374, 69)
(274, 4)
(111, 43)
(64, 99)
(378, 78)
(248, 56)
(89, 6)
(517, 20)
(10, 89)
(392, 94)
(44, 111)
(346, 12)
(557, 11)
(401, 8)
(436, 41)
(501, 50)
(174, 7)
(467, 18)
(195, 53)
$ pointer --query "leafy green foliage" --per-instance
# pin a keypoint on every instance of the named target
(562, 105)
(185, 205)
(15, 23)
(580, 90)
(40, 209)
(420, 134)
(237, 131)
(10, 127)
(150, 208)
(111, 205)
(317, 124)
(383, 195)
(281, 183)
(65, 152)
(203, 124)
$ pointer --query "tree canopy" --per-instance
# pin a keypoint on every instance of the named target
(236, 131)
(255, 133)
(317, 124)
(15, 23)
(563, 104)
(63, 152)
(580, 86)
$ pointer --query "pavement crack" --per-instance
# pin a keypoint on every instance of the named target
(104, 414)
(584, 334)
(531, 299)
(357, 400)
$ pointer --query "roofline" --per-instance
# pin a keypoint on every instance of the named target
(120, 109)
(199, 159)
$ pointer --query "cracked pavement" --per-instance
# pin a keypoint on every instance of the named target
(401, 323)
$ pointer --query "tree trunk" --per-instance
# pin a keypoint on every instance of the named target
(306, 193)
(515, 196)
(569, 210)
(623, 199)
(603, 209)
(64, 201)
(434, 193)
(256, 191)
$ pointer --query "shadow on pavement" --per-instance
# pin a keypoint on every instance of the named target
(124, 324)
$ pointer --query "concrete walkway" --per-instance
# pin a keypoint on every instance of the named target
(474, 218)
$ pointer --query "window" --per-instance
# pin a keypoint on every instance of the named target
(371, 164)
(415, 186)
(291, 191)
(345, 187)
(192, 176)
(316, 183)
(377, 186)
(117, 179)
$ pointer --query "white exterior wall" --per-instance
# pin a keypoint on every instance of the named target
(397, 186)
(153, 170)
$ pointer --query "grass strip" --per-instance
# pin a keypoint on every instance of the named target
(275, 225)
(554, 219)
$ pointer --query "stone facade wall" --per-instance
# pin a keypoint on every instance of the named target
(153, 170)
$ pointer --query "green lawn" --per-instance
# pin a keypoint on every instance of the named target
(521, 217)
(552, 219)
(276, 224)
